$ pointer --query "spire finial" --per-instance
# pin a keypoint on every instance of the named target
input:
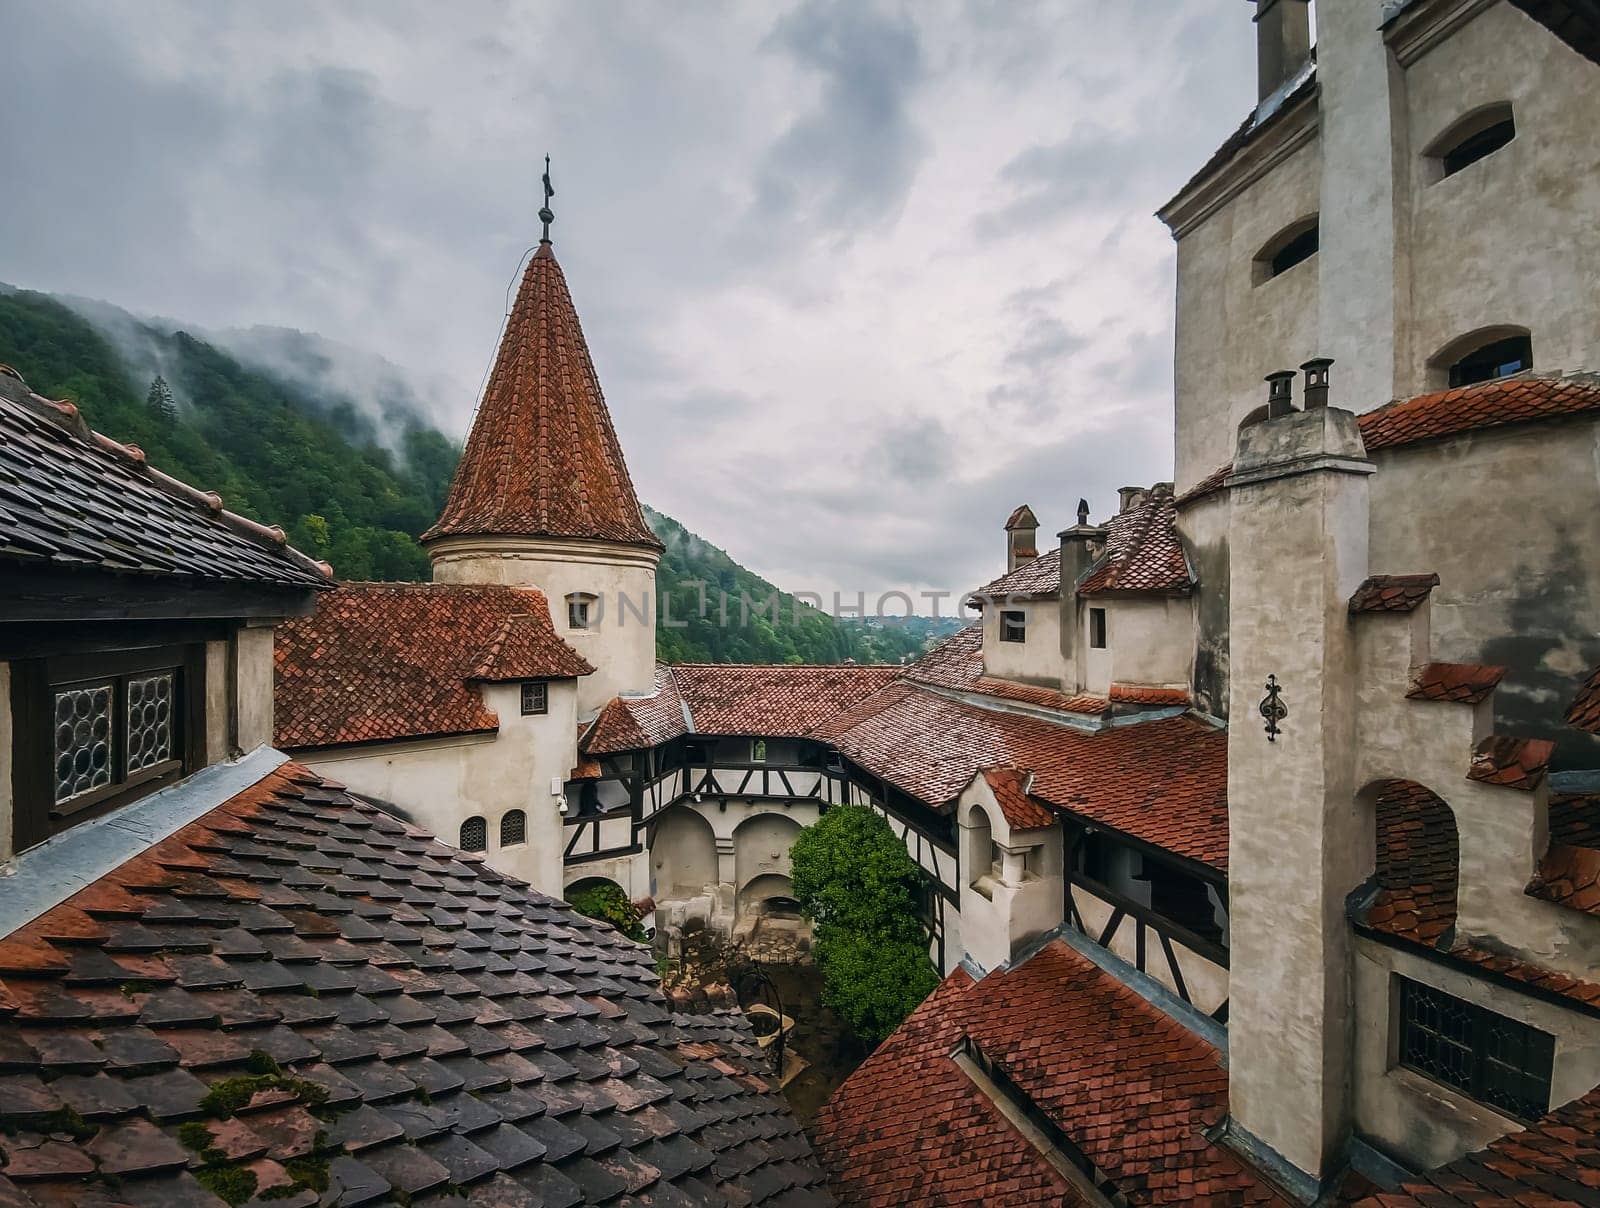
(1083, 511)
(546, 214)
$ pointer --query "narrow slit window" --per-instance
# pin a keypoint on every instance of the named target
(1013, 626)
(1097, 629)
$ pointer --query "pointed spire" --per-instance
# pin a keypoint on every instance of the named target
(542, 459)
(546, 214)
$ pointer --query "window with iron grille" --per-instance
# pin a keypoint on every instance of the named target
(535, 697)
(1013, 627)
(1495, 1060)
(92, 731)
(474, 834)
(513, 828)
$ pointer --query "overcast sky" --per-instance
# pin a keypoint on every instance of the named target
(858, 278)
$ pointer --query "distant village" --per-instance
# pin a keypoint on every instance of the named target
(1254, 826)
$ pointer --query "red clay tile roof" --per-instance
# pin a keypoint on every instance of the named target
(1585, 710)
(1392, 593)
(1125, 1083)
(1418, 861)
(395, 660)
(1143, 551)
(1040, 577)
(1512, 400)
(1516, 763)
(1508, 400)
(297, 987)
(72, 498)
(1023, 517)
(957, 664)
(1164, 782)
(1569, 873)
(1211, 483)
(1010, 789)
(1417, 874)
(1462, 683)
(776, 701)
(543, 459)
(1551, 1164)
(1145, 694)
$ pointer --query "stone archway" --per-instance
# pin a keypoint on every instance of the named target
(1416, 861)
(683, 855)
(761, 848)
(770, 893)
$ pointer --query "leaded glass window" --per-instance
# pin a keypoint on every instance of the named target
(84, 738)
(147, 723)
(513, 828)
(1495, 1060)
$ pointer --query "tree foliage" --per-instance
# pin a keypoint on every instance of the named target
(855, 882)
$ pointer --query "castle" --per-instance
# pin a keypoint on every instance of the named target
(1260, 819)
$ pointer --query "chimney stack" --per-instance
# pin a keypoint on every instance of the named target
(1283, 42)
(1022, 530)
(1279, 400)
(1129, 497)
(1316, 382)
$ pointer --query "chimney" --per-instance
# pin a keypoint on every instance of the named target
(1021, 538)
(1129, 497)
(1279, 400)
(1316, 382)
(1080, 546)
(1283, 42)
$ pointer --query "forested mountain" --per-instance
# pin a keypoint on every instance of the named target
(356, 479)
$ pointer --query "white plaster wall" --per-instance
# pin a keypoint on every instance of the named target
(1203, 526)
(1001, 916)
(620, 644)
(1426, 1122)
(1231, 331)
(1533, 602)
(1150, 640)
(1034, 661)
(761, 847)
(631, 872)
(253, 646)
(1095, 663)
(439, 783)
(1206, 982)
(218, 702)
(1515, 237)
(683, 855)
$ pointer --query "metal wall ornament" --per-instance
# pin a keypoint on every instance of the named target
(1273, 709)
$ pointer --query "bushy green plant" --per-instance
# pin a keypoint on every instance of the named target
(859, 887)
(607, 902)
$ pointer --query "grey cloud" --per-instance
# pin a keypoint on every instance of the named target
(848, 162)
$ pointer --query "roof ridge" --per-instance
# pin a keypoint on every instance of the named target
(65, 414)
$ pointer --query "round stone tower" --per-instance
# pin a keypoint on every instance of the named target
(542, 496)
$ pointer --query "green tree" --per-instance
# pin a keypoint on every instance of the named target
(855, 882)
(606, 901)
(161, 402)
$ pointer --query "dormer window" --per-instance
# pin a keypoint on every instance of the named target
(1294, 244)
(758, 750)
(1474, 137)
(1014, 626)
(579, 610)
(535, 697)
(93, 731)
(1491, 353)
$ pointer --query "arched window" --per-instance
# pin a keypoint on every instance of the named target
(1479, 134)
(474, 834)
(1482, 356)
(1297, 242)
(985, 852)
(513, 828)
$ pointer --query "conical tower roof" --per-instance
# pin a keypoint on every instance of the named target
(543, 459)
